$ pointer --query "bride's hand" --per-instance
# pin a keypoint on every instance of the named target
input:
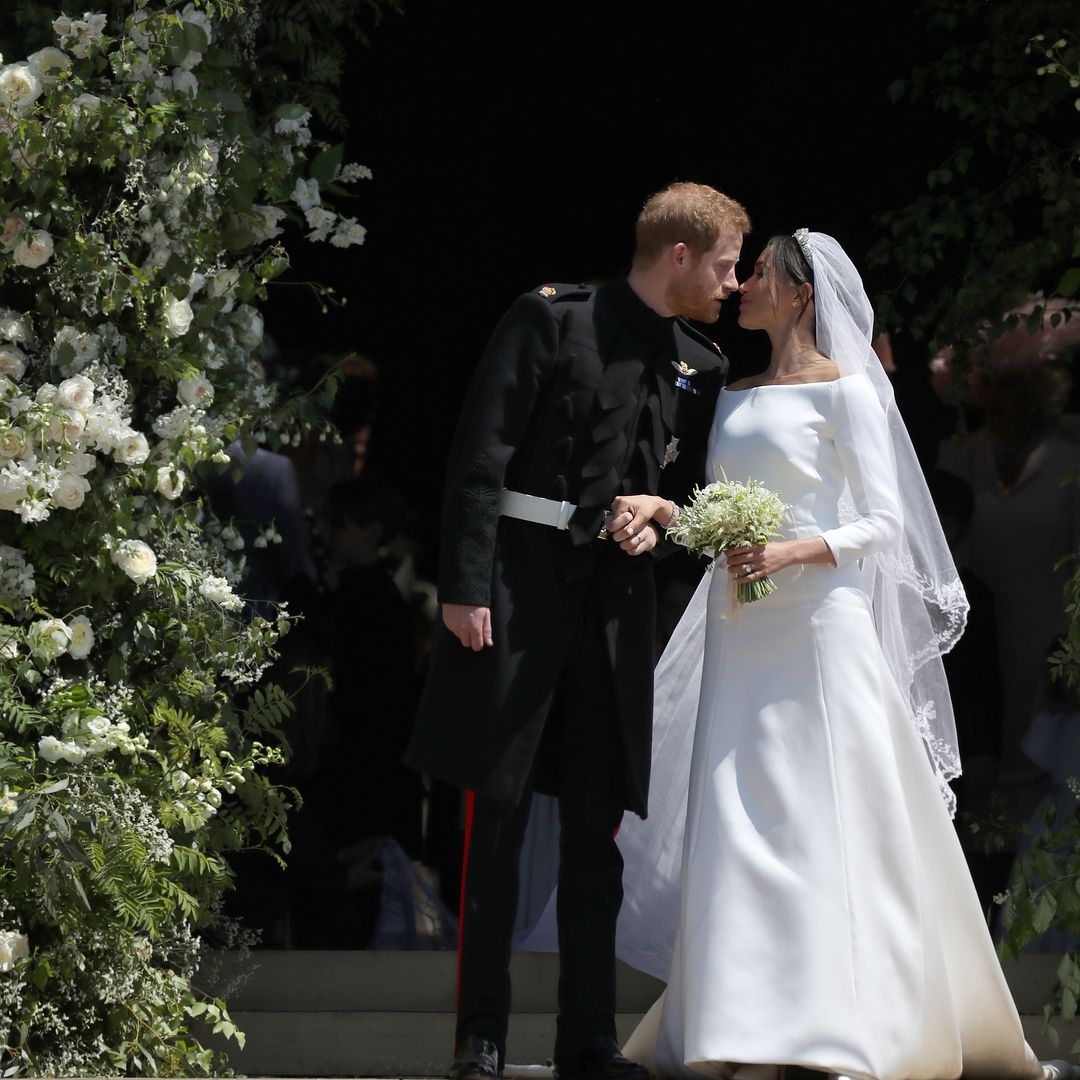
(763, 560)
(631, 513)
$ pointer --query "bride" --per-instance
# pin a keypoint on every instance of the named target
(806, 898)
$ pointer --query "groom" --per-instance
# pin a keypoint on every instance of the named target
(542, 678)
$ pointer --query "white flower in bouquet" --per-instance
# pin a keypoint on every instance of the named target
(79, 35)
(249, 326)
(170, 481)
(46, 394)
(85, 349)
(105, 427)
(12, 362)
(730, 514)
(230, 537)
(218, 590)
(195, 391)
(13, 946)
(136, 559)
(349, 233)
(82, 637)
(19, 87)
(9, 643)
(70, 491)
(75, 393)
(131, 447)
(48, 638)
(178, 316)
(49, 64)
(35, 251)
(8, 803)
(306, 194)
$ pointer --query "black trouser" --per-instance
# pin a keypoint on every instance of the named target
(584, 738)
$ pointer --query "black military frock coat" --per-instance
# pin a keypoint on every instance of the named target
(578, 397)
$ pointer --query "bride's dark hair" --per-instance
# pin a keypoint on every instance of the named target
(784, 257)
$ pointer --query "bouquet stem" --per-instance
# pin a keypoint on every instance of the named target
(749, 591)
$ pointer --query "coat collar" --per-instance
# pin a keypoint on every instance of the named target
(638, 316)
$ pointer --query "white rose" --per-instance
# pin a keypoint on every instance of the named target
(13, 227)
(218, 591)
(46, 394)
(136, 559)
(184, 82)
(15, 327)
(12, 362)
(12, 488)
(170, 481)
(249, 326)
(49, 64)
(131, 448)
(196, 391)
(48, 638)
(82, 637)
(61, 26)
(12, 443)
(19, 87)
(13, 946)
(36, 251)
(178, 316)
(74, 423)
(70, 491)
(80, 464)
(75, 393)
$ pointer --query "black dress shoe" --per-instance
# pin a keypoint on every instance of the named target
(601, 1060)
(475, 1058)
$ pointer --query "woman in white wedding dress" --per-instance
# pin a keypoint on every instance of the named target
(806, 899)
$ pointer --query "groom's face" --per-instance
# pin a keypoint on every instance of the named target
(699, 283)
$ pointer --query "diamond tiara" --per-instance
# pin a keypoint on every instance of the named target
(802, 238)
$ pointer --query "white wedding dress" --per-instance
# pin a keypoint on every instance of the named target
(825, 915)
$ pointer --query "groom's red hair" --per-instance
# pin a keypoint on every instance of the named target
(685, 213)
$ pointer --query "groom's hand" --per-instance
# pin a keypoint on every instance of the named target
(631, 516)
(469, 623)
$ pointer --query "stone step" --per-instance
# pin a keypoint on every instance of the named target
(391, 1014)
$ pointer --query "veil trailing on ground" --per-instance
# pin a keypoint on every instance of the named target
(919, 611)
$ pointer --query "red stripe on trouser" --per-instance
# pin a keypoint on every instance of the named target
(470, 806)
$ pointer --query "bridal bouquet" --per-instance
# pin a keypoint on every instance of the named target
(731, 514)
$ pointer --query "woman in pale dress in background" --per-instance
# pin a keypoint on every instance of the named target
(806, 898)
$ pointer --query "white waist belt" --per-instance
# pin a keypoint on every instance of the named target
(532, 508)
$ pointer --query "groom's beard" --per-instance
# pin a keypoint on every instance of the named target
(691, 299)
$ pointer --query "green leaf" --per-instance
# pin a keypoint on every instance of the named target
(326, 164)
(1069, 283)
(290, 112)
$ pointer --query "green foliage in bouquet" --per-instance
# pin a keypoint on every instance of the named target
(727, 514)
(142, 197)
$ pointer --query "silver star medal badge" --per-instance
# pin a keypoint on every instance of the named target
(671, 452)
(682, 378)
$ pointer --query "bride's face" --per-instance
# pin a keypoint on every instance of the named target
(762, 297)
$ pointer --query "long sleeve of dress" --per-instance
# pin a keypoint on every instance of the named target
(860, 431)
(493, 421)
